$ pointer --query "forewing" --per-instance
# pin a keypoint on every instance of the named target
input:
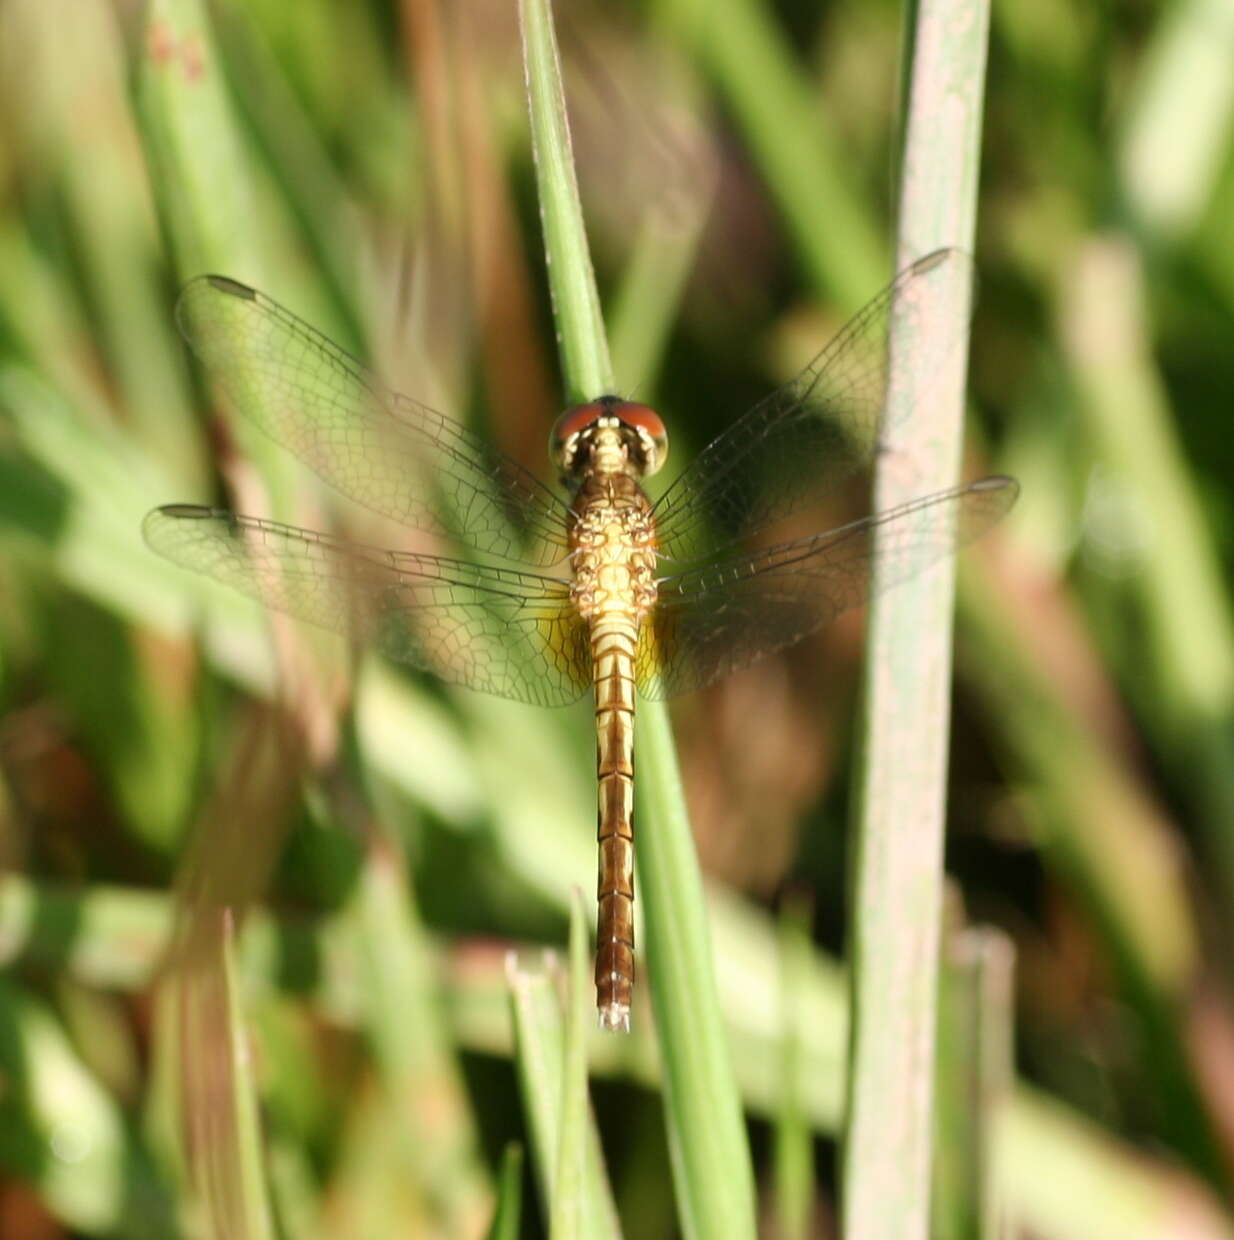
(384, 450)
(513, 634)
(712, 621)
(799, 443)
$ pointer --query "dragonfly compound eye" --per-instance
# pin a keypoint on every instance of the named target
(568, 433)
(642, 430)
(648, 427)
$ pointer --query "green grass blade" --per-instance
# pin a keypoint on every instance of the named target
(79, 94)
(1179, 577)
(423, 1087)
(220, 1132)
(585, 363)
(649, 295)
(539, 1050)
(203, 179)
(794, 1144)
(198, 163)
(897, 899)
(538, 1055)
(975, 1080)
(568, 1184)
(250, 1160)
(1178, 125)
(777, 109)
(63, 1135)
(711, 1162)
(707, 1140)
(507, 1220)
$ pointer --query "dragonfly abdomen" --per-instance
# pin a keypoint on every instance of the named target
(613, 640)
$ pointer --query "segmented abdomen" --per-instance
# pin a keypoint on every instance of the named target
(613, 638)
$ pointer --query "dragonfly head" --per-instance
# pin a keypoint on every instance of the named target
(623, 431)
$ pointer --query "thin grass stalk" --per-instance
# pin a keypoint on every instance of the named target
(1177, 125)
(568, 1183)
(203, 183)
(897, 900)
(539, 1060)
(776, 106)
(794, 1141)
(507, 1220)
(1185, 601)
(651, 290)
(421, 1079)
(585, 365)
(195, 151)
(711, 1162)
(215, 1089)
(707, 1142)
(249, 1149)
(78, 92)
(975, 1079)
(538, 1056)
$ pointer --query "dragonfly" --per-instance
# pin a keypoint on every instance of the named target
(591, 587)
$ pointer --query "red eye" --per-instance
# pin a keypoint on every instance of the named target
(642, 417)
(577, 419)
(647, 454)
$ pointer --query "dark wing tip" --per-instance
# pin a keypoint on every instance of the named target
(156, 524)
(225, 284)
(198, 511)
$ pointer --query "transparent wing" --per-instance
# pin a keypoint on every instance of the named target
(493, 629)
(714, 620)
(385, 451)
(798, 443)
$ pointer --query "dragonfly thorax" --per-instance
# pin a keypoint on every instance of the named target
(608, 436)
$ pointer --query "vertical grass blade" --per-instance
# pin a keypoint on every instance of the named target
(1178, 125)
(1183, 591)
(568, 1183)
(707, 1141)
(198, 164)
(776, 107)
(585, 363)
(216, 1092)
(900, 805)
(203, 177)
(507, 1221)
(249, 1154)
(711, 1161)
(423, 1088)
(539, 1060)
(538, 1052)
(976, 1076)
(651, 288)
(794, 1140)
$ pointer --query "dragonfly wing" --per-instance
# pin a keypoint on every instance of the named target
(800, 442)
(498, 630)
(714, 620)
(384, 450)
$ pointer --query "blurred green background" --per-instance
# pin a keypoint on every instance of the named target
(164, 750)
